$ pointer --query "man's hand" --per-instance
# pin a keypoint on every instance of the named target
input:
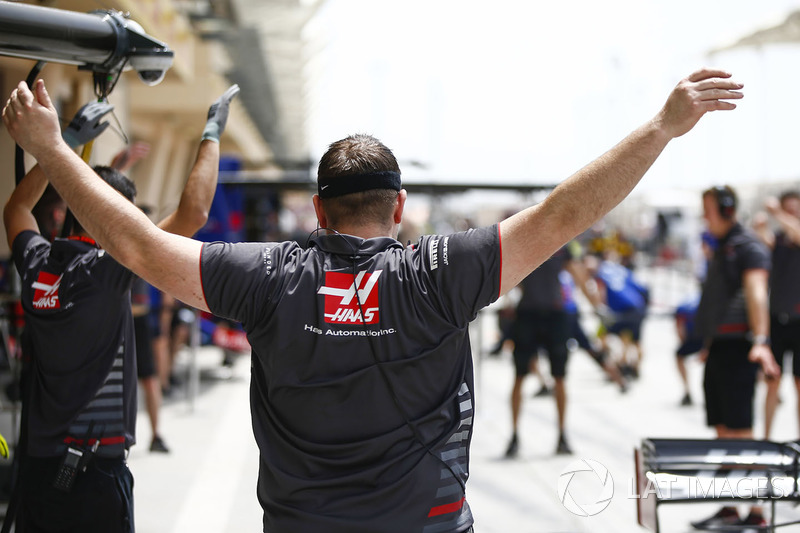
(32, 120)
(703, 91)
(128, 157)
(85, 125)
(772, 205)
(218, 114)
(762, 354)
(760, 222)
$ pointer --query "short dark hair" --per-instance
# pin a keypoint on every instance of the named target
(789, 195)
(726, 199)
(353, 155)
(119, 181)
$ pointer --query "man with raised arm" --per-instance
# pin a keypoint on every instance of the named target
(784, 292)
(362, 383)
(79, 395)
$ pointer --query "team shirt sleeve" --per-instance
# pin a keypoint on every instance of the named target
(238, 278)
(25, 248)
(463, 269)
(755, 255)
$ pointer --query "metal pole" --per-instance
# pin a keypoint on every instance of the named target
(105, 42)
(194, 371)
(57, 35)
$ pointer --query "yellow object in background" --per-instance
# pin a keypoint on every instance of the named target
(86, 154)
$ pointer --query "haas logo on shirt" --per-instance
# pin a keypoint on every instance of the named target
(341, 303)
(46, 294)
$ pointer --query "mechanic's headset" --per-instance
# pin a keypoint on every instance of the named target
(726, 201)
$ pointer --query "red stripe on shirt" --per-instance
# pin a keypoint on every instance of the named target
(447, 508)
(106, 441)
(500, 243)
(200, 270)
(732, 328)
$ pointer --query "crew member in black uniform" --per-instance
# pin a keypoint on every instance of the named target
(80, 394)
(733, 319)
(145, 360)
(543, 323)
(362, 386)
(784, 294)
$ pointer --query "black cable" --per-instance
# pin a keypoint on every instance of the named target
(22, 440)
(119, 130)
(413, 427)
(104, 82)
(19, 153)
(69, 220)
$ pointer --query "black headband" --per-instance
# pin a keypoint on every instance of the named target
(341, 185)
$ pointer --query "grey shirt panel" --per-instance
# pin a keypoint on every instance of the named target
(336, 452)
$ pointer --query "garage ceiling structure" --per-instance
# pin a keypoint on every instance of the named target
(264, 40)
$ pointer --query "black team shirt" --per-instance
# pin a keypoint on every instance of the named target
(79, 336)
(541, 289)
(784, 296)
(722, 312)
(335, 452)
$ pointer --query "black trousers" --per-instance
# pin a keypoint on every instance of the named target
(101, 500)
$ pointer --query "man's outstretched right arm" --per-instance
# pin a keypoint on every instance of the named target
(170, 262)
(533, 235)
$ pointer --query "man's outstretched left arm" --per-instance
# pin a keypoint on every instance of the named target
(531, 236)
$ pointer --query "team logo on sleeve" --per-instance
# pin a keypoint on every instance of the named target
(341, 303)
(434, 251)
(45, 295)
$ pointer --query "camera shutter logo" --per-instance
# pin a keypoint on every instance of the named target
(604, 482)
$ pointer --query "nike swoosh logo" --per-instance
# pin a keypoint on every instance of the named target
(324, 187)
